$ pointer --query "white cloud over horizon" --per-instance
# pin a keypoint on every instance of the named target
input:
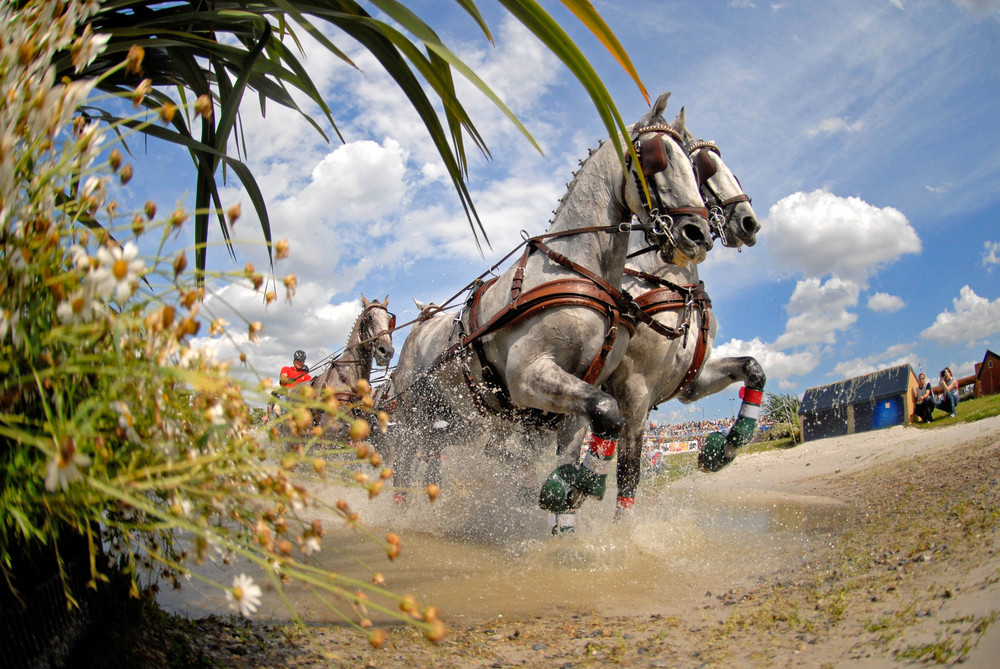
(974, 319)
(897, 354)
(819, 233)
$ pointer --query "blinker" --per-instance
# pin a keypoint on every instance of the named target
(704, 166)
(652, 156)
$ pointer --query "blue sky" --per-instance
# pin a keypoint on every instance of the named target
(866, 133)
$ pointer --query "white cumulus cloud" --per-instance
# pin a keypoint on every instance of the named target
(777, 364)
(974, 318)
(898, 354)
(991, 254)
(820, 233)
(830, 126)
(816, 311)
(885, 302)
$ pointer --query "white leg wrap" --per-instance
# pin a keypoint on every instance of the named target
(596, 463)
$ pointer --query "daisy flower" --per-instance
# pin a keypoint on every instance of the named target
(244, 596)
(63, 468)
(79, 307)
(119, 272)
(311, 543)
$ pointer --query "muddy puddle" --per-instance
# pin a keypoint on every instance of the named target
(483, 550)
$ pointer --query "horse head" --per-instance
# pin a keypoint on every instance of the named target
(377, 324)
(674, 212)
(731, 215)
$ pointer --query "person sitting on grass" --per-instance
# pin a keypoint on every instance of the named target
(924, 400)
(948, 397)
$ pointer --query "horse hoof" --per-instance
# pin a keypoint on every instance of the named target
(712, 457)
(556, 490)
(563, 524)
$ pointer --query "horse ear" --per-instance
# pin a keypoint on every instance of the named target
(364, 301)
(656, 112)
(385, 302)
(680, 125)
(420, 305)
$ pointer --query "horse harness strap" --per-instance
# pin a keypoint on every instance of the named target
(669, 297)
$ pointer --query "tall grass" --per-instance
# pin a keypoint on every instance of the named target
(113, 424)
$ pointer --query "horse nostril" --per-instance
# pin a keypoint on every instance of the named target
(696, 234)
(750, 224)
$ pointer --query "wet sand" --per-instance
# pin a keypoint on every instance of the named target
(784, 558)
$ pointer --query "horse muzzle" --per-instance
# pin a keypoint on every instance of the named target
(383, 354)
(744, 225)
(692, 240)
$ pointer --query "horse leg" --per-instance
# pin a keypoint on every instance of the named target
(545, 384)
(628, 470)
(719, 449)
(569, 436)
(634, 401)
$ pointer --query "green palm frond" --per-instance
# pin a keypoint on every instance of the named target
(227, 48)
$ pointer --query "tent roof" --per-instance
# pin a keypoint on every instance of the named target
(883, 383)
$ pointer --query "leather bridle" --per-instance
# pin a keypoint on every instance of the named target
(721, 209)
(653, 160)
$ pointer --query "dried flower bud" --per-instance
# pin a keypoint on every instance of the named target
(138, 225)
(376, 638)
(133, 62)
(433, 491)
(270, 296)
(359, 430)
(364, 387)
(188, 299)
(167, 112)
(141, 91)
(203, 105)
(281, 249)
(234, 212)
(291, 282)
(180, 264)
(115, 159)
(178, 218)
(255, 330)
(150, 209)
(125, 175)
(437, 632)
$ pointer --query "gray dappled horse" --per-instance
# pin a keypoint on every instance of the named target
(370, 342)
(537, 342)
(658, 368)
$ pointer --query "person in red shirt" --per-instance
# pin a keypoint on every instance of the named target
(297, 373)
(289, 378)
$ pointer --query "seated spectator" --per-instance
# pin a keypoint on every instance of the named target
(924, 400)
(948, 399)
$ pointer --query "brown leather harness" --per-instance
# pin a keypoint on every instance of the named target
(668, 296)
